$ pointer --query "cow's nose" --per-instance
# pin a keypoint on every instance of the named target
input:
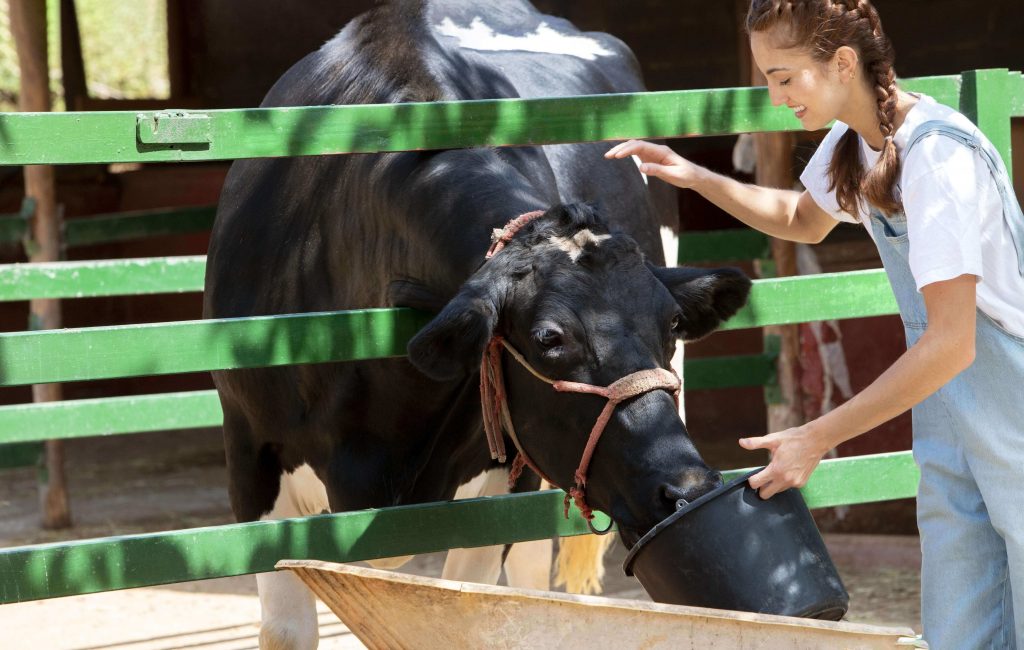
(691, 485)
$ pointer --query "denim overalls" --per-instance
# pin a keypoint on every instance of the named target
(969, 445)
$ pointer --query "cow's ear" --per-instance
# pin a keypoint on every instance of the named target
(707, 297)
(452, 345)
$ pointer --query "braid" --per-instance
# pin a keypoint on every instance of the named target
(822, 27)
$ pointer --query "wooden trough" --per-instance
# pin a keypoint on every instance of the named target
(392, 610)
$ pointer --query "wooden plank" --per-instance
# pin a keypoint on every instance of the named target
(192, 346)
(801, 299)
(106, 416)
(386, 609)
(88, 566)
(112, 136)
(124, 277)
(986, 100)
(123, 226)
(736, 244)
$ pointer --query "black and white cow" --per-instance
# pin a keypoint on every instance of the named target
(579, 291)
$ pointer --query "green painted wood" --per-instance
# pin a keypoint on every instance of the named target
(807, 298)
(102, 278)
(724, 372)
(111, 136)
(722, 245)
(14, 227)
(945, 89)
(985, 99)
(21, 454)
(118, 226)
(1016, 92)
(122, 226)
(106, 416)
(88, 566)
(51, 570)
(114, 136)
(192, 346)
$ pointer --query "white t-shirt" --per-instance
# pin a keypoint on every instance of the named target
(955, 221)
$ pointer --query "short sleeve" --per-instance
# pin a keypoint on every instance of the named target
(815, 176)
(945, 185)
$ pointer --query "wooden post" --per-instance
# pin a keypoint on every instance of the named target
(775, 169)
(28, 26)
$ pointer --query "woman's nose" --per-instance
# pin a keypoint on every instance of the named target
(775, 95)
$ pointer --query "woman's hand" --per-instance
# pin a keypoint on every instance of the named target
(794, 455)
(659, 161)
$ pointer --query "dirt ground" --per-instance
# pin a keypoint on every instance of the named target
(152, 482)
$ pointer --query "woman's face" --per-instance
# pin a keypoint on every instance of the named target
(813, 90)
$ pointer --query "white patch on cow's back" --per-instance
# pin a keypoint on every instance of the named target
(478, 36)
(573, 246)
(636, 159)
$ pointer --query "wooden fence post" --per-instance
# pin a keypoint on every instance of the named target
(28, 26)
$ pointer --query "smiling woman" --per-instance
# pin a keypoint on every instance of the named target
(935, 197)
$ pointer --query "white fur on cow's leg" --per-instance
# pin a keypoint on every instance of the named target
(288, 607)
(481, 564)
(528, 564)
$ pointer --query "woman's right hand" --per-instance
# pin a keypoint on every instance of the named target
(659, 161)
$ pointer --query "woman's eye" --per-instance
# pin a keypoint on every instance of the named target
(784, 82)
(548, 338)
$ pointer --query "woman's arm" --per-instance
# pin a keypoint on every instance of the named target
(780, 213)
(943, 351)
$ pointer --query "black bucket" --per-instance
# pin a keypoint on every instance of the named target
(731, 549)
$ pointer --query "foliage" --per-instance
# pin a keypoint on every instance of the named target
(124, 46)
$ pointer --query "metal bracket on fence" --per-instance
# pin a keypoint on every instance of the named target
(173, 127)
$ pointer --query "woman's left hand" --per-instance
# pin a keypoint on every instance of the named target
(794, 455)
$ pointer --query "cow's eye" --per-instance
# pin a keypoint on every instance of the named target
(677, 324)
(547, 338)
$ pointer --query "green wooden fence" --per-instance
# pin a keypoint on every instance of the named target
(990, 97)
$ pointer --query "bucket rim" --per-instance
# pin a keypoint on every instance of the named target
(627, 564)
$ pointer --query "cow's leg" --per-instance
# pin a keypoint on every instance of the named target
(481, 564)
(289, 620)
(527, 564)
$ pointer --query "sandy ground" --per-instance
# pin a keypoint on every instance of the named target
(155, 482)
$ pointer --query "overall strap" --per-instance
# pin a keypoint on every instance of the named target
(1012, 213)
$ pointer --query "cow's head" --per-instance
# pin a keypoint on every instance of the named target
(581, 304)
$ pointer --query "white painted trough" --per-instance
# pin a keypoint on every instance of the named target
(391, 610)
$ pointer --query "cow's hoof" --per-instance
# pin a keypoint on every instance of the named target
(288, 637)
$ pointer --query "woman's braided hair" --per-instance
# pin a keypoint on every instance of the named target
(822, 27)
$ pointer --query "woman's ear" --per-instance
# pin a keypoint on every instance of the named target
(846, 62)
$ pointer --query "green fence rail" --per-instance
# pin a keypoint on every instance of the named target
(989, 97)
(128, 136)
(217, 344)
(52, 570)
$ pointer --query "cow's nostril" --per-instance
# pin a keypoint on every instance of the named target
(692, 485)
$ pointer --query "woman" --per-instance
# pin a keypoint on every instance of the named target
(935, 197)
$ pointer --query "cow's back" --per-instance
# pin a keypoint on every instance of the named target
(321, 233)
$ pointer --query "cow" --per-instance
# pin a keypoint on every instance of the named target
(575, 288)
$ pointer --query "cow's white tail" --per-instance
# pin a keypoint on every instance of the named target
(580, 564)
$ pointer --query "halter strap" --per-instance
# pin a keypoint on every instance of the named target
(497, 417)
